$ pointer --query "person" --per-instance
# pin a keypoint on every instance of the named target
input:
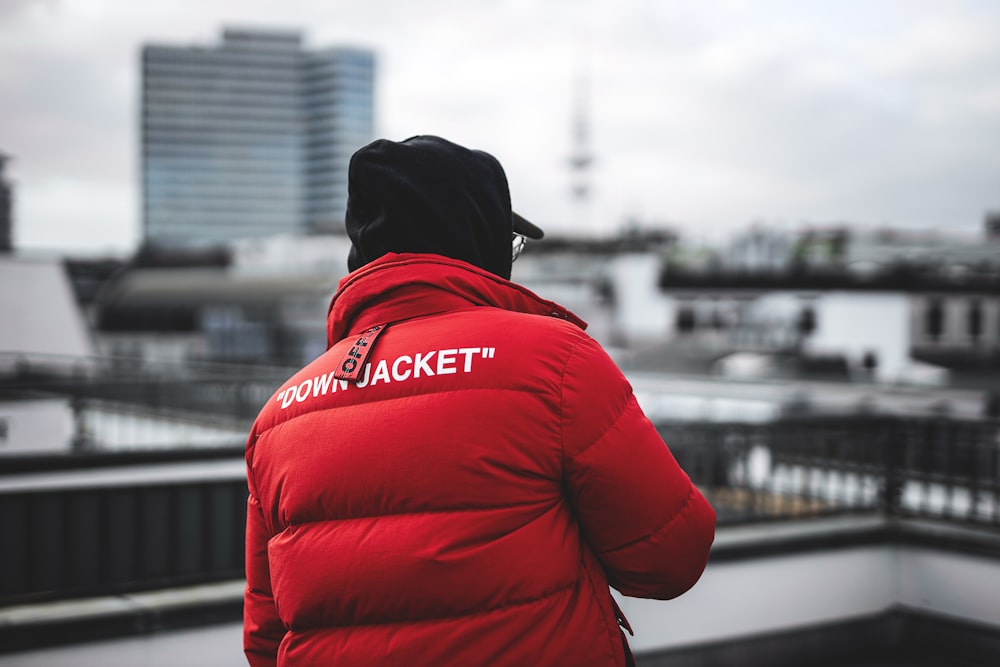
(459, 478)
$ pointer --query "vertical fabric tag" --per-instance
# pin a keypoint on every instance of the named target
(356, 357)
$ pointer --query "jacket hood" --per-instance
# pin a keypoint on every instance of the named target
(428, 195)
(404, 285)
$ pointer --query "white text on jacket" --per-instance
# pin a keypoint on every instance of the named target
(405, 367)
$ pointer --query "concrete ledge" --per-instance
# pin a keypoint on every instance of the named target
(898, 636)
(781, 538)
(777, 579)
(72, 621)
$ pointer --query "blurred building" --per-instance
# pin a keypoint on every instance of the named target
(759, 315)
(609, 282)
(806, 291)
(262, 301)
(6, 209)
(864, 251)
(56, 329)
(760, 249)
(55, 335)
(251, 137)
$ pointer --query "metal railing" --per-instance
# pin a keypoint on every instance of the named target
(148, 490)
(128, 525)
(92, 520)
(233, 391)
(927, 467)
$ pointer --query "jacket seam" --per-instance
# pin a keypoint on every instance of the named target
(562, 416)
(435, 619)
(414, 513)
(562, 401)
(684, 509)
(385, 399)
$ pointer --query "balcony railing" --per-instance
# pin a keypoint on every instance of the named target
(229, 391)
(121, 528)
(113, 516)
(927, 467)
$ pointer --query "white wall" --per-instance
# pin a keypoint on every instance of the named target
(35, 426)
(47, 425)
(765, 595)
(854, 323)
(775, 594)
(643, 312)
(39, 311)
(116, 428)
(965, 587)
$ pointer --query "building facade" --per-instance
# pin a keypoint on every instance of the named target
(251, 137)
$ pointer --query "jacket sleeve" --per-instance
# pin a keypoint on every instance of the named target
(262, 629)
(649, 526)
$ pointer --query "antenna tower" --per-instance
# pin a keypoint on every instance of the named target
(580, 158)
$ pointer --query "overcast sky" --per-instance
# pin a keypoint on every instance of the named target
(706, 116)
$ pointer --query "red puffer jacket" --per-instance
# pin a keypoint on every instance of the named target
(469, 497)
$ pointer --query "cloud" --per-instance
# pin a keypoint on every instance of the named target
(702, 114)
(13, 9)
(799, 118)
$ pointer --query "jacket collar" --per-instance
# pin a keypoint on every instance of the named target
(400, 286)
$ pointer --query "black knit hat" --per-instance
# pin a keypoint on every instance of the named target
(429, 195)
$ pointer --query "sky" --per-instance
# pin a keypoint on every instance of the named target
(706, 117)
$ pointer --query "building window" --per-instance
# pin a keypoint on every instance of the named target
(869, 362)
(685, 319)
(934, 320)
(975, 319)
(806, 323)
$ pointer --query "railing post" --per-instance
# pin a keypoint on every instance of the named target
(81, 439)
(892, 435)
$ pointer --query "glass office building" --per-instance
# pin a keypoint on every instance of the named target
(251, 137)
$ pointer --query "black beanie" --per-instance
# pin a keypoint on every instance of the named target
(428, 195)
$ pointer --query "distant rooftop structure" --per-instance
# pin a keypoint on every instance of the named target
(40, 312)
(259, 300)
(992, 225)
(251, 137)
(864, 251)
